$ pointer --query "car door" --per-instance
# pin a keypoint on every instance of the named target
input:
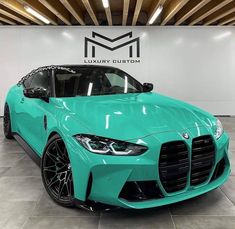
(32, 118)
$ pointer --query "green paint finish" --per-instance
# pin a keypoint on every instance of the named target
(145, 118)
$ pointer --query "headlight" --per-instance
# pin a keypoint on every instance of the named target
(219, 129)
(101, 145)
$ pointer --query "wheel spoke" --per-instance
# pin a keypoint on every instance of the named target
(69, 185)
(50, 168)
(61, 169)
(59, 152)
(53, 180)
(52, 157)
(61, 187)
(55, 158)
(57, 171)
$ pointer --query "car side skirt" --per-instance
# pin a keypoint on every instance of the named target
(27, 148)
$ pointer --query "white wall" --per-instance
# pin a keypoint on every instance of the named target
(195, 64)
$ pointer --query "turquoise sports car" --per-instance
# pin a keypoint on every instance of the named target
(104, 139)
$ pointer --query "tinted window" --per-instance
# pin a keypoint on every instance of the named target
(27, 82)
(40, 79)
(117, 81)
(87, 81)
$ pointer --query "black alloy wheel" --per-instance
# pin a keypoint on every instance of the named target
(57, 173)
(7, 122)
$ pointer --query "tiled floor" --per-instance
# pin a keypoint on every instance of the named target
(25, 205)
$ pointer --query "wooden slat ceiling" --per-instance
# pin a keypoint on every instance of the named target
(119, 12)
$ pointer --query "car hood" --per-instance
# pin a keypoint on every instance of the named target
(130, 116)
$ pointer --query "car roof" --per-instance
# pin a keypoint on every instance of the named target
(62, 66)
(80, 66)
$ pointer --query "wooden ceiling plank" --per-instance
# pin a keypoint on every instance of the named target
(126, 4)
(189, 9)
(171, 9)
(18, 8)
(108, 15)
(207, 10)
(154, 7)
(137, 11)
(231, 23)
(90, 11)
(225, 20)
(12, 16)
(58, 9)
(6, 20)
(41, 9)
(73, 8)
(229, 8)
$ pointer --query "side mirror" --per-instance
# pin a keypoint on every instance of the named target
(148, 87)
(38, 92)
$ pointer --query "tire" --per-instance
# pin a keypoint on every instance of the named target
(57, 173)
(7, 123)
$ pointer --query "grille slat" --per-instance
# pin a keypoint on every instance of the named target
(203, 158)
(206, 148)
(175, 188)
(174, 163)
(176, 181)
(199, 156)
(179, 154)
(174, 166)
(203, 141)
(199, 180)
(196, 174)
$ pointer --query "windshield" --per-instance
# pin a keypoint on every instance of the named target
(87, 81)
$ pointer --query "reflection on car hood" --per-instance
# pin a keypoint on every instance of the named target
(130, 116)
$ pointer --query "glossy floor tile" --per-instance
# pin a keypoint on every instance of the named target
(47, 207)
(150, 218)
(211, 203)
(204, 222)
(62, 223)
(14, 214)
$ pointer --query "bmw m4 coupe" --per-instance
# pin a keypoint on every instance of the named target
(100, 136)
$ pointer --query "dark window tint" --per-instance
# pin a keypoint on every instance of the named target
(87, 81)
(40, 79)
(27, 82)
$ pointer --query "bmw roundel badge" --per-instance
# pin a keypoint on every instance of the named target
(185, 135)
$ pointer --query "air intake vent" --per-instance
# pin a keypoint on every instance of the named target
(174, 166)
(203, 157)
(219, 169)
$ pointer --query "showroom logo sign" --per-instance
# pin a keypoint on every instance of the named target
(111, 44)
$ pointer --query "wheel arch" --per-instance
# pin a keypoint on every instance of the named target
(11, 100)
(53, 133)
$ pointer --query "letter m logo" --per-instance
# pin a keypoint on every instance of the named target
(92, 43)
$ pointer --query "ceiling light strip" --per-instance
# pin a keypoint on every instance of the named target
(105, 3)
(37, 15)
(156, 14)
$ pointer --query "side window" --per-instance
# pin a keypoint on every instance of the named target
(40, 79)
(27, 82)
(116, 80)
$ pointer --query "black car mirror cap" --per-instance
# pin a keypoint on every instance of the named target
(148, 87)
(38, 92)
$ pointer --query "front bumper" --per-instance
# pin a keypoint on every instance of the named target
(101, 178)
(179, 197)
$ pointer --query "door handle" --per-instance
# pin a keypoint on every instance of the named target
(22, 100)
